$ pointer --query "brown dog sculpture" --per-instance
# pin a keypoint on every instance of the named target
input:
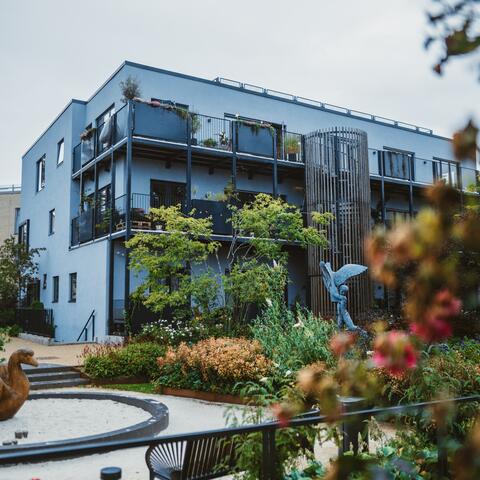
(14, 384)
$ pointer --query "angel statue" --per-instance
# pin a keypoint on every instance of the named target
(335, 284)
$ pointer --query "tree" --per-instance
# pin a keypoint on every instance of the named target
(169, 262)
(258, 256)
(18, 269)
(175, 263)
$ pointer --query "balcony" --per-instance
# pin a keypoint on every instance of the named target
(95, 223)
(169, 123)
(406, 167)
(97, 141)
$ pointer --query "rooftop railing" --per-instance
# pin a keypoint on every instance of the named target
(10, 189)
(323, 105)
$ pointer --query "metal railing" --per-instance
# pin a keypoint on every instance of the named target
(349, 422)
(102, 138)
(323, 105)
(212, 132)
(10, 189)
(84, 332)
(36, 321)
(408, 167)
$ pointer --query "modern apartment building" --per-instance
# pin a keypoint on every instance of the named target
(9, 210)
(90, 180)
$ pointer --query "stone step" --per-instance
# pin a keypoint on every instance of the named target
(47, 376)
(46, 369)
(58, 383)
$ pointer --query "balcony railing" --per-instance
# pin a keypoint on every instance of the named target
(95, 223)
(407, 167)
(105, 135)
(169, 123)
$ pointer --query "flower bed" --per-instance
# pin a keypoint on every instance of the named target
(214, 364)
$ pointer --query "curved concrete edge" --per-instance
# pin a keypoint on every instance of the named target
(152, 427)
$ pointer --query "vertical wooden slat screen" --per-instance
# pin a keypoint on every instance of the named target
(337, 181)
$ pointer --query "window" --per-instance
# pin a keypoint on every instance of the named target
(44, 283)
(41, 174)
(51, 222)
(73, 287)
(55, 289)
(23, 233)
(60, 151)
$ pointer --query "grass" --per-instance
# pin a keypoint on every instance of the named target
(132, 387)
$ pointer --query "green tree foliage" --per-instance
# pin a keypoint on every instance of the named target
(167, 259)
(17, 270)
(258, 257)
(176, 268)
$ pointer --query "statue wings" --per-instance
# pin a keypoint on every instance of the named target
(347, 271)
(332, 280)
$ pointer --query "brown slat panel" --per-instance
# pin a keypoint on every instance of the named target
(337, 181)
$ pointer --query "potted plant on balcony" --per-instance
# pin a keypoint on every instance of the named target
(292, 148)
(130, 88)
(209, 142)
(195, 126)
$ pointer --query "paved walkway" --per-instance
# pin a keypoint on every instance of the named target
(69, 354)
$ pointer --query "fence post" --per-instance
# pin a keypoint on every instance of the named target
(352, 428)
(111, 473)
(268, 455)
(442, 464)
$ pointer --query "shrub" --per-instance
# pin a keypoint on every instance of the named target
(293, 341)
(215, 364)
(165, 332)
(443, 371)
(134, 359)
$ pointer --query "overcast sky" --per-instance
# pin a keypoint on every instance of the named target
(366, 55)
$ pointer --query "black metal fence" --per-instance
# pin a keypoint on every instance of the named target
(349, 423)
(36, 321)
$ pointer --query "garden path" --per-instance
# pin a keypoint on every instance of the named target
(63, 354)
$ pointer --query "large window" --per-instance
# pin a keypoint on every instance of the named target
(51, 222)
(41, 174)
(60, 152)
(55, 286)
(73, 287)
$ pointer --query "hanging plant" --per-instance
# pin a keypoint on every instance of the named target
(87, 134)
(256, 126)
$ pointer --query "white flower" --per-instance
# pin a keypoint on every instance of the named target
(268, 302)
(288, 373)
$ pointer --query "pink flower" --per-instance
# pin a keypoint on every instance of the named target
(395, 353)
(449, 305)
(435, 329)
(436, 325)
(283, 412)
